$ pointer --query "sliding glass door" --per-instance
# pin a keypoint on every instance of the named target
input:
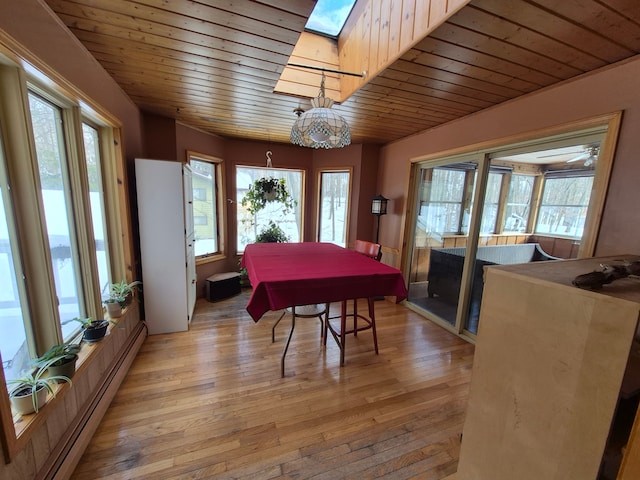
(443, 208)
(517, 204)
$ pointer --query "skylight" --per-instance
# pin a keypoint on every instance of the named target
(329, 16)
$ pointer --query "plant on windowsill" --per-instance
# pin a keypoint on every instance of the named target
(272, 234)
(124, 291)
(93, 330)
(30, 391)
(60, 359)
(113, 304)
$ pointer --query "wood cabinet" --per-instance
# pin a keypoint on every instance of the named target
(548, 370)
(165, 217)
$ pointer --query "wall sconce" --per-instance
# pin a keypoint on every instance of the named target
(379, 207)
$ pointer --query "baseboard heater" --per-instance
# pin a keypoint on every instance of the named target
(69, 454)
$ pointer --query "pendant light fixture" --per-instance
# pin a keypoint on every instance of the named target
(320, 127)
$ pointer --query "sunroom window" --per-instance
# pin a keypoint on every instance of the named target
(518, 206)
(491, 203)
(564, 205)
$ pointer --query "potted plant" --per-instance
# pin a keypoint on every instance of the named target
(267, 189)
(113, 304)
(124, 291)
(30, 391)
(272, 234)
(93, 330)
(60, 359)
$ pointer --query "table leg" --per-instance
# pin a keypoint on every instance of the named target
(286, 347)
(372, 318)
(273, 329)
(343, 329)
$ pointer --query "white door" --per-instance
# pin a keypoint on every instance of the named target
(191, 277)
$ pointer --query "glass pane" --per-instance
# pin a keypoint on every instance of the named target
(334, 199)
(47, 129)
(445, 191)
(13, 337)
(563, 210)
(249, 227)
(491, 199)
(204, 207)
(329, 16)
(96, 196)
(443, 211)
(518, 203)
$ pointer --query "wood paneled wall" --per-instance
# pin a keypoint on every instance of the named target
(43, 446)
(557, 247)
(381, 31)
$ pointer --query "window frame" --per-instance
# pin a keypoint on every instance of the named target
(299, 208)
(500, 206)
(101, 137)
(347, 221)
(74, 177)
(465, 196)
(220, 199)
(506, 204)
(605, 128)
(17, 78)
(545, 185)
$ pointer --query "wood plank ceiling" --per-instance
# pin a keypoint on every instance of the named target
(214, 65)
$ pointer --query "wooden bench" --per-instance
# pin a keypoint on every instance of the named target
(222, 285)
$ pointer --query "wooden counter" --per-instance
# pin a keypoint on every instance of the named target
(548, 369)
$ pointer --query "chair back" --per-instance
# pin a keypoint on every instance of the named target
(370, 249)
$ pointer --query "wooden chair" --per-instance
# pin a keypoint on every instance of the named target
(374, 251)
(302, 311)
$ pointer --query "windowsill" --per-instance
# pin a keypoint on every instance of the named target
(25, 425)
(216, 257)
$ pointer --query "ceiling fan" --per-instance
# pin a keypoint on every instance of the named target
(590, 155)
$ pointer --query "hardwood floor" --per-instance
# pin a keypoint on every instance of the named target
(210, 403)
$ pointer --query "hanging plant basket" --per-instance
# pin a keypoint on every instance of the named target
(265, 190)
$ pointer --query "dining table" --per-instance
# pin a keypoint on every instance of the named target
(286, 275)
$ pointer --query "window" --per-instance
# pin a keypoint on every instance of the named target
(61, 235)
(208, 203)
(58, 212)
(13, 338)
(491, 200)
(564, 205)
(329, 16)
(443, 207)
(291, 223)
(199, 193)
(93, 160)
(333, 204)
(518, 205)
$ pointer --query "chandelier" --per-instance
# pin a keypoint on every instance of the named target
(320, 127)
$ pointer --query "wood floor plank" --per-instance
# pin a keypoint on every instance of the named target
(209, 403)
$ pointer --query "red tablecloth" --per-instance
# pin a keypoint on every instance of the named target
(287, 274)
